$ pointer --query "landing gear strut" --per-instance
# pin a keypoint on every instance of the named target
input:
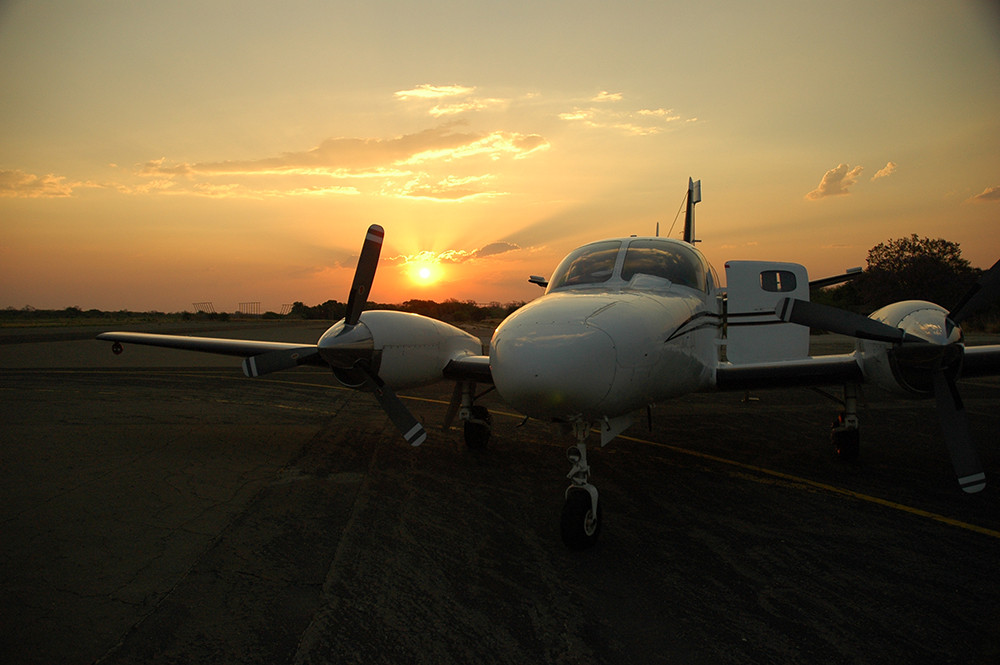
(580, 523)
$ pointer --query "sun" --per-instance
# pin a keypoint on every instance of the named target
(425, 273)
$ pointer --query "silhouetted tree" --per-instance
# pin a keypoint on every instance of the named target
(910, 268)
(915, 268)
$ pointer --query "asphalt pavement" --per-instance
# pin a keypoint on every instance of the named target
(160, 507)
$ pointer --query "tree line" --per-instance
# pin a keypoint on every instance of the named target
(908, 268)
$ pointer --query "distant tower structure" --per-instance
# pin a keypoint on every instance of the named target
(286, 309)
(206, 307)
(249, 309)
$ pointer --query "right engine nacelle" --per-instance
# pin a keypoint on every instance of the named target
(908, 369)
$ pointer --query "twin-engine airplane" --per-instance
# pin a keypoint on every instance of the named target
(628, 322)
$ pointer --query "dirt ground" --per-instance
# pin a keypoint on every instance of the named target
(160, 507)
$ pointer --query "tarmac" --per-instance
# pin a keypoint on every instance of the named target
(160, 507)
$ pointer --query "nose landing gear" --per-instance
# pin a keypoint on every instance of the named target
(580, 523)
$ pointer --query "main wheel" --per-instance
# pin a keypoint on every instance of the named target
(579, 525)
(477, 434)
(846, 441)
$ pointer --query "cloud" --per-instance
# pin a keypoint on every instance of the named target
(459, 99)
(605, 96)
(18, 184)
(469, 105)
(428, 91)
(495, 248)
(836, 182)
(885, 171)
(642, 122)
(363, 158)
(340, 157)
(493, 145)
(450, 188)
(454, 255)
(988, 194)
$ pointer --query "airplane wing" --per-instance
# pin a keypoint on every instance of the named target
(834, 369)
(981, 361)
(813, 371)
(259, 357)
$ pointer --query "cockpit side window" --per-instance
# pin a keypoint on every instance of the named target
(590, 264)
(664, 259)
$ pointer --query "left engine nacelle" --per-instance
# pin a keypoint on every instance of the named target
(404, 349)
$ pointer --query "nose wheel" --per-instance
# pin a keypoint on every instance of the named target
(580, 523)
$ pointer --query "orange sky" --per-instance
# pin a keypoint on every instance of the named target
(156, 156)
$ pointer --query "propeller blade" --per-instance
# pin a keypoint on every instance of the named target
(983, 293)
(274, 361)
(364, 275)
(955, 426)
(408, 426)
(841, 321)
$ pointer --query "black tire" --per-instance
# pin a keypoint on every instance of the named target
(578, 524)
(846, 442)
(477, 434)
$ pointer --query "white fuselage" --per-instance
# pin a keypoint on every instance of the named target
(605, 346)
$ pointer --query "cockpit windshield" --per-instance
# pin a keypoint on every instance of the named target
(596, 263)
(662, 259)
(590, 264)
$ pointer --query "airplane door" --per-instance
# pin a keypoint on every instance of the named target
(754, 333)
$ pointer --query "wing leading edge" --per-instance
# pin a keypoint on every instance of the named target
(830, 370)
(259, 357)
(813, 371)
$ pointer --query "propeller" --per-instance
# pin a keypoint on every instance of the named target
(833, 319)
(350, 350)
(364, 274)
(911, 354)
(955, 426)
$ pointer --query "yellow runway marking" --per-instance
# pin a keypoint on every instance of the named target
(796, 480)
(792, 480)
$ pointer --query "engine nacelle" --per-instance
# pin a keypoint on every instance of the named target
(404, 349)
(908, 369)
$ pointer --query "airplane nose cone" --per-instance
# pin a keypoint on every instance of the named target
(552, 370)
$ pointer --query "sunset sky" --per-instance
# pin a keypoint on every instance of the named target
(155, 155)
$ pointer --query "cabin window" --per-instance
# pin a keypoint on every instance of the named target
(590, 264)
(668, 260)
(778, 281)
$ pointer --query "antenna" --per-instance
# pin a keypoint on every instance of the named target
(693, 196)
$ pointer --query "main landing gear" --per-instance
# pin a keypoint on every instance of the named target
(580, 524)
(477, 424)
(846, 432)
